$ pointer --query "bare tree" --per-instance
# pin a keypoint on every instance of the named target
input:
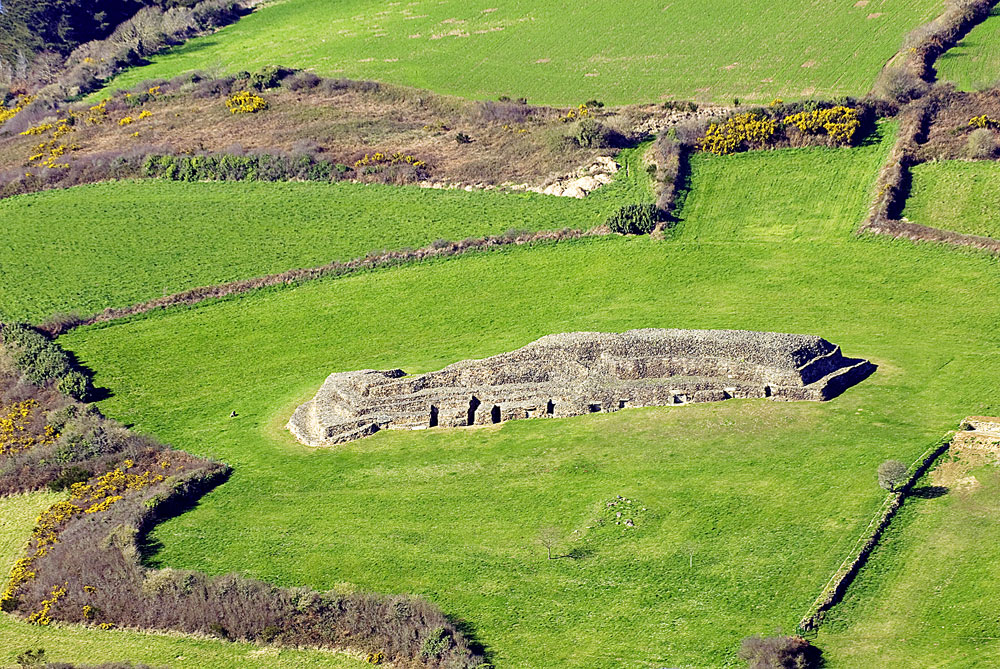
(549, 537)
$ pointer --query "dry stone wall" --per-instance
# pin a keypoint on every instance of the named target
(577, 373)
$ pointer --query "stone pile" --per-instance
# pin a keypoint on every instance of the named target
(577, 373)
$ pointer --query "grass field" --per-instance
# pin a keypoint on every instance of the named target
(956, 195)
(560, 54)
(115, 244)
(974, 63)
(776, 210)
(926, 597)
(750, 505)
(81, 644)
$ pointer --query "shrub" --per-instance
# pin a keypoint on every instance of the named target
(890, 474)
(590, 134)
(435, 643)
(633, 219)
(982, 144)
(75, 385)
(840, 123)
(737, 133)
(68, 477)
(302, 81)
(779, 652)
(267, 77)
(40, 360)
(246, 102)
(462, 138)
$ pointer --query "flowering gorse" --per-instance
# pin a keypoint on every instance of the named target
(383, 159)
(984, 121)
(246, 102)
(16, 434)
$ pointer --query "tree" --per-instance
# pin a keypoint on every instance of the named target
(549, 537)
(890, 474)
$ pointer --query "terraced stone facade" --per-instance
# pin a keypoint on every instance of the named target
(577, 373)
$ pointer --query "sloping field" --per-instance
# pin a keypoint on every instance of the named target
(743, 509)
(553, 53)
(926, 597)
(794, 201)
(975, 62)
(91, 247)
(89, 645)
(956, 195)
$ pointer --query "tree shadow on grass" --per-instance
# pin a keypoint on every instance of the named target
(928, 492)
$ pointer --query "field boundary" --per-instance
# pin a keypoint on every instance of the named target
(834, 590)
(62, 324)
(910, 72)
(893, 185)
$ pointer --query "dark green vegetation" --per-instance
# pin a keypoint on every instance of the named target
(80, 644)
(114, 244)
(927, 594)
(956, 195)
(975, 62)
(690, 49)
(749, 505)
(28, 26)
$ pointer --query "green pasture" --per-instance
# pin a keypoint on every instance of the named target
(927, 596)
(974, 63)
(115, 244)
(744, 508)
(74, 643)
(557, 53)
(956, 195)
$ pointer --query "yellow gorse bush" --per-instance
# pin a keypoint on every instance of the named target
(383, 159)
(107, 490)
(15, 433)
(839, 122)
(983, 121)
(733, 134)
(41, 617)
(39, 129)
(7, 114)
(246, 102)
(583, 111)
(125, 120)
(98, 113)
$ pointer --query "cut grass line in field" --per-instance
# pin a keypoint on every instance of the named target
(80, 644)
(974, 64)
(956, 195)
(115, 244)
(552, 53)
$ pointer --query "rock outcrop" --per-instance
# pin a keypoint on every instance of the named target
(577, 373)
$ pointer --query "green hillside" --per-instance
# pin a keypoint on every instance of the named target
(553, 54)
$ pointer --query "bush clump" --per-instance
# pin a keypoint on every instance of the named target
(982, 144)
(779, 652)
(633, 219)
(42, 361)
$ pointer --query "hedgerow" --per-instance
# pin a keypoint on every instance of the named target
(42, 361)
(778, 125)
(82, 562)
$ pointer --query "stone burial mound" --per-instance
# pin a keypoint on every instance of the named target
(577, 373)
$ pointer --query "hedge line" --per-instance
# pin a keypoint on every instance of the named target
(83, 563)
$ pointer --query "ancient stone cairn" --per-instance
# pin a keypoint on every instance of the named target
(576, 373)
